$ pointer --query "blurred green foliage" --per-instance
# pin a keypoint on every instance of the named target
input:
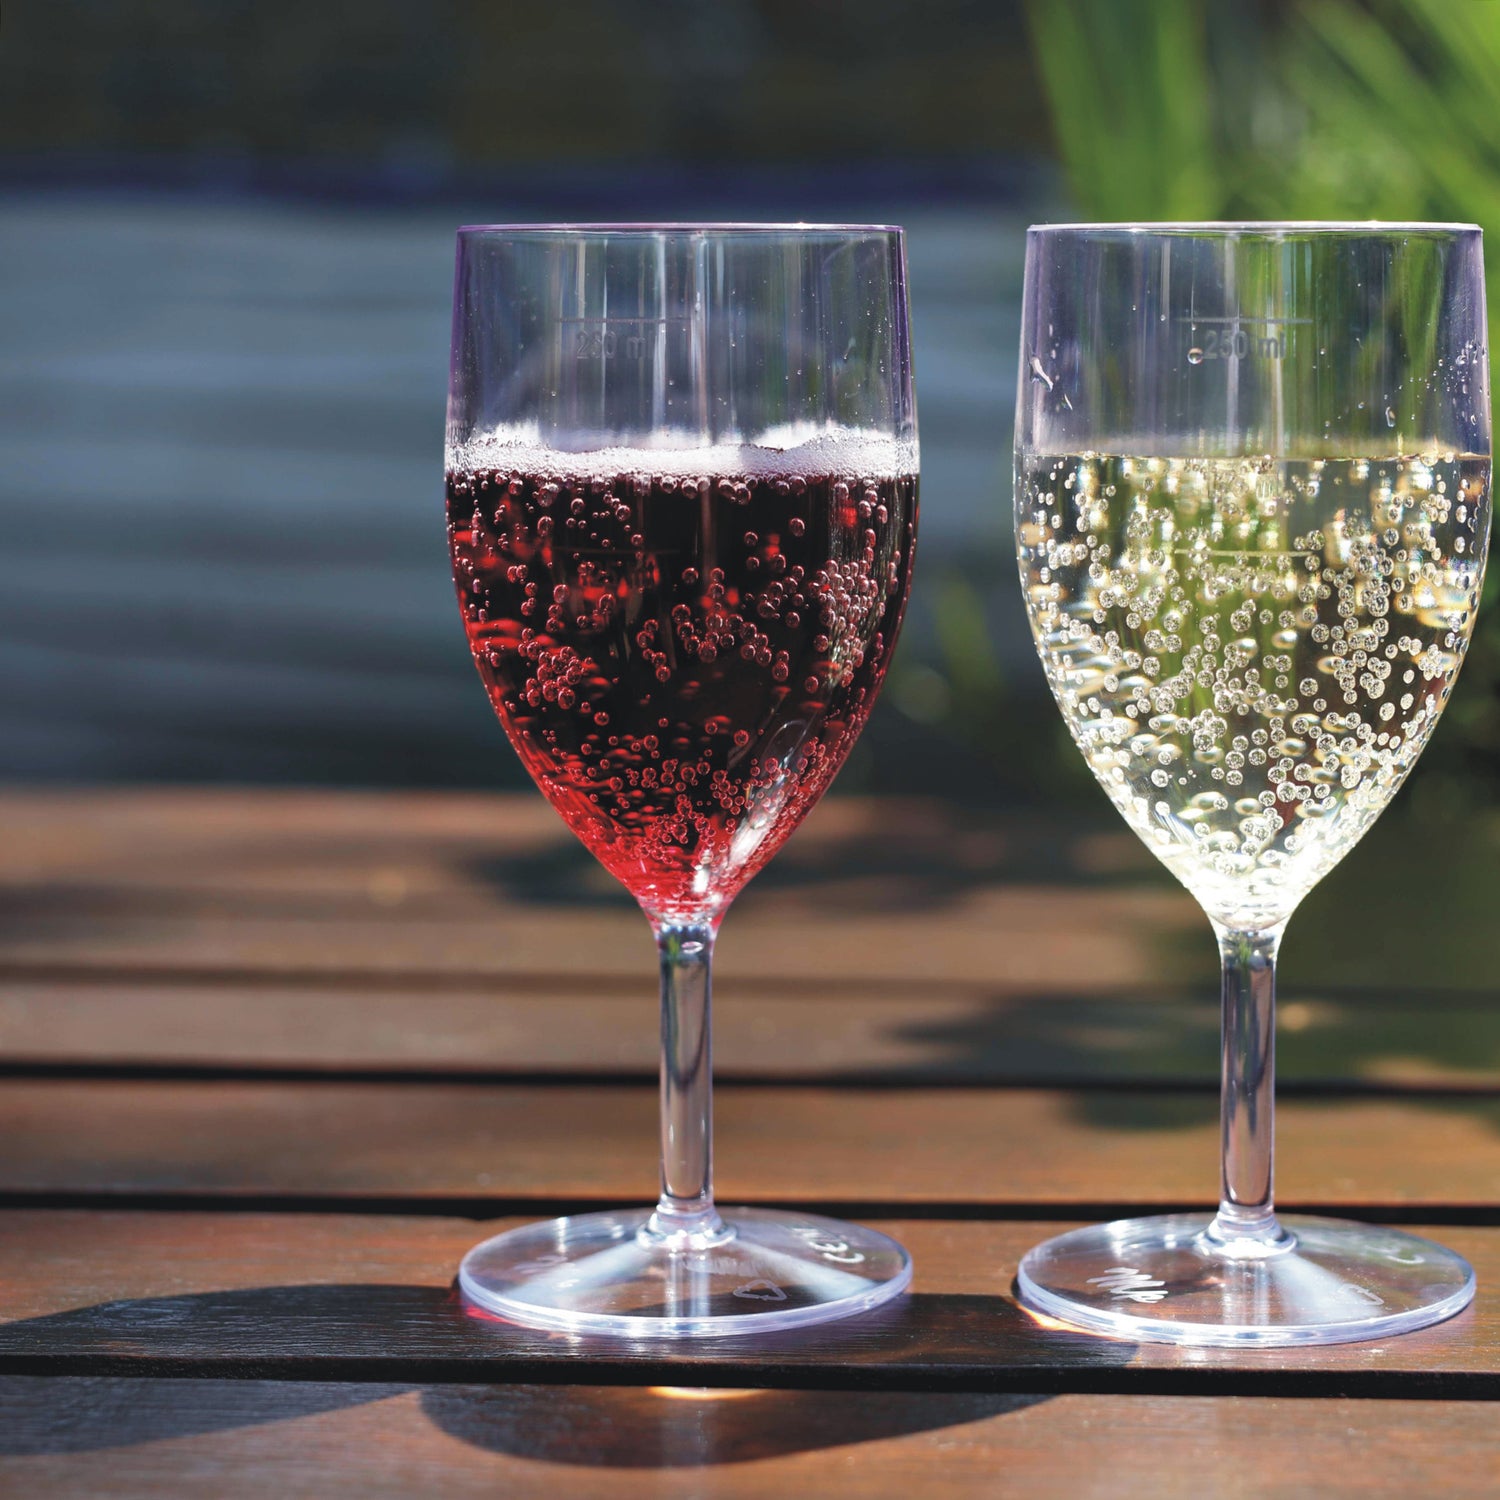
(1303, 109)
(1121, 77)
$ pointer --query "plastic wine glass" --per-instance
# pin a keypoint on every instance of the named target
(682, 505)
(1252, 511)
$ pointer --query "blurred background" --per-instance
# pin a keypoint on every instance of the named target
(225, 260)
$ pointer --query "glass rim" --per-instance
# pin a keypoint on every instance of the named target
(1268, 228)
(679, 227)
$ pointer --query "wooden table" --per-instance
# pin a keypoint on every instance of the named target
(272, 1061)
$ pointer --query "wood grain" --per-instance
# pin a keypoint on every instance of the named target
(907, 902)
(1029, 993)
(369, 1297)
(1050, 939)
(513, 1142)
(114, 1438)
(482, 888)
(190, 844)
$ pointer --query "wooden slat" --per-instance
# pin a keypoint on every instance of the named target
(1049, 939)
(249, 1438)
(351, 1297)
(763, 1030)
(441, 935)
(420, 851)
(319, 884)
(506, 1142)
(892, 898)
(308, 930)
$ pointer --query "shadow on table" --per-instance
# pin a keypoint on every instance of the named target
(663, 1427)
(1355, 1011)
(595, 1426)
(1148, 1065)
(299, 1351)
(914, 857)
(48, 1416)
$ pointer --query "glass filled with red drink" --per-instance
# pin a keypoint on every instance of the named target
(682, 506)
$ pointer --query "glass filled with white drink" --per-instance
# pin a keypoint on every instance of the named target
(1252, 506)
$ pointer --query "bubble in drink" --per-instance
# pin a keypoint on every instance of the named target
(682, 664)
(1268, 631)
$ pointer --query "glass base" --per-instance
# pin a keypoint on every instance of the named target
(611, 1273)
(1163, 1280)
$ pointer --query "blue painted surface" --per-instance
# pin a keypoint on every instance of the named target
(221, 547)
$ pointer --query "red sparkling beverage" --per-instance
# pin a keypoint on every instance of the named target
(683, 648)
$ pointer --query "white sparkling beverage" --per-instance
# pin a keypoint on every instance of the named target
(1251, 652)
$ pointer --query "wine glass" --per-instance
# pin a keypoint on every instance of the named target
(682, 505)
(1252, 510)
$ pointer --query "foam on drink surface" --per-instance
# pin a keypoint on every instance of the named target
(776, 452)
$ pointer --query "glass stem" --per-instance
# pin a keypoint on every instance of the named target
(685, 1212)
(1246, 1222)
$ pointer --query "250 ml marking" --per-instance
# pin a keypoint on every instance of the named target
(610, 338)
(1235, 343)
(1240, 335)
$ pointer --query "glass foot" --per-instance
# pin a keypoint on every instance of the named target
(608, 1273)
(1161, 1280)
